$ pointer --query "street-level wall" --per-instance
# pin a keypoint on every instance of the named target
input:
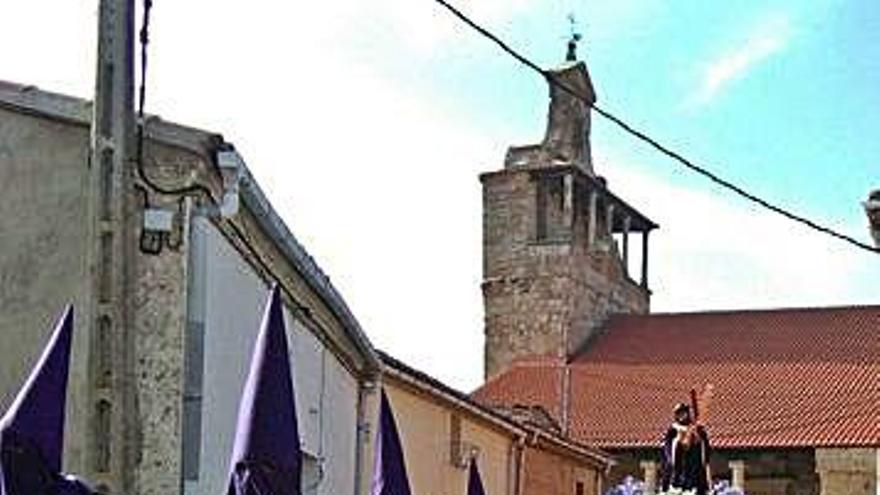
(43, 225)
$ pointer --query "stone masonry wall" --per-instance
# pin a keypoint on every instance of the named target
(545, 296)
(159, 314)
(848, 471)
(767, 471)
(43, 212)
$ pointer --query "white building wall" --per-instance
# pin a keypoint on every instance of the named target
(227, 301)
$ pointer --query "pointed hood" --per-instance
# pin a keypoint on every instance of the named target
(266, 454)
(475, 482)
(389, 470)
(32, 430)
(36, 417)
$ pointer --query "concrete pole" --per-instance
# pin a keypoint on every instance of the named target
(111, 389)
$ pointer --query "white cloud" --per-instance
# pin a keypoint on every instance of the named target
(764, 40)
(380, 183)
(50, 44)
(715, 251)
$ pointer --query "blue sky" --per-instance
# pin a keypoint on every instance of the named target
(368, 122)
(787, 113)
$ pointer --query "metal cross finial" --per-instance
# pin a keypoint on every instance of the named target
(571, 55)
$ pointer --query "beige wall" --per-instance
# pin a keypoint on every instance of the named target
(43, 208)
(424, 426)
(547, 472)
(424, 420)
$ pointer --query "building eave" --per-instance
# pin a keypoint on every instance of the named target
(30, 100)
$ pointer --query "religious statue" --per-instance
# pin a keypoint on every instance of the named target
(686, 451)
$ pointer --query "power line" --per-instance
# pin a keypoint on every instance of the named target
(551, 78)
(196, 187)
(144, 40)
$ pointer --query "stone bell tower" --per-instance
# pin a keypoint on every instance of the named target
(556, 240)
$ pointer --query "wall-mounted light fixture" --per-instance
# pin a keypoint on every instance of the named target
(231, 166)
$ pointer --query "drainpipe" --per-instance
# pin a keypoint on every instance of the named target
(520, 464)
(522, 444)
(566, 398)
(512, 465)
(362, 432)
(603, 477)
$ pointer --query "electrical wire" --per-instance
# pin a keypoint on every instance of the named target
(678, 157)
(144, 40)
(199, 188)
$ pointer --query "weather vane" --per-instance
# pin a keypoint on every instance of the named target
(575, 36)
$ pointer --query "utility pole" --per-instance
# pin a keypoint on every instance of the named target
(111, 388)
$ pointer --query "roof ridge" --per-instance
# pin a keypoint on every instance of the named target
(782, 309)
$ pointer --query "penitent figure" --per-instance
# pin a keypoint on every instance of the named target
(685, 454)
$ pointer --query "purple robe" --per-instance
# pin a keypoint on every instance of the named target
(475, 482)
(266, 457)
(32, 430)
(389, 470)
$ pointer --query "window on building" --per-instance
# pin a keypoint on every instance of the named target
(579, 488)
(454, 439)
(549, 209)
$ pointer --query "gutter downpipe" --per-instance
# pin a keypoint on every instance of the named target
(365, 387)
(566, 399)
(522, 444)
(520, 464)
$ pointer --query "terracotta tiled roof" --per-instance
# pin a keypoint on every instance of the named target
(782, 378)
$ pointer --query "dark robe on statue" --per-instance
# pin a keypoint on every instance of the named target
(685, 462)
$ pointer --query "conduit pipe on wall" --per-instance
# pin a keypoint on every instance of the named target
(520, 463)
(362, 431)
